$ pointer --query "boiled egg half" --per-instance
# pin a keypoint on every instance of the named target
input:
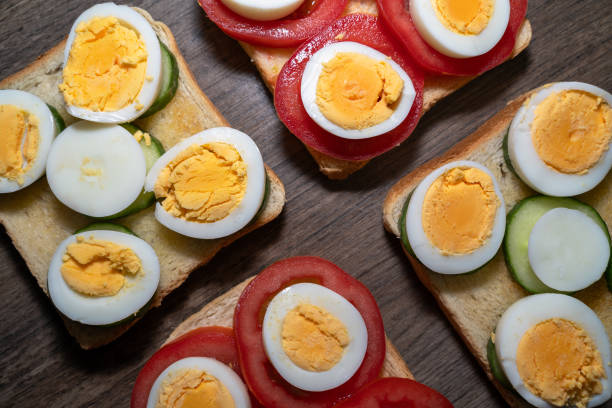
(210, 185)
(456, 218)
(354, 91)
(112, 65)
(198, 382)
(555, 351)
(26, 133)
(263, 10)
(461, 29)
(315, 338)
(559, 141)
(102, 277)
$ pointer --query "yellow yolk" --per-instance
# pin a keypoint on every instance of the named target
(459, 210)
(193, 388)
(572, 130)
(19, 138)
(313, 338)
(106, 66)
(98, 268)
(559, 363)
(465, 17)
(139, 135)
(204, 183)
(355, 91)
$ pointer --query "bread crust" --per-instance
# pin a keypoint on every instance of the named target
(269, 62)
(474, 302)
(25, 214)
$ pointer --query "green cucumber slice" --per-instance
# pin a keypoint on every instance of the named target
(169, 81)
(105, 226)
(402, 226)
(520, 222)
(57, 119)
(152, 152)
(495, 366)
(507, 155)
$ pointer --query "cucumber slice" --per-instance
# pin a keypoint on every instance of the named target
(402, 226)
(495, 366)
(169, 81)
(264, 201)
(57, 119)
(106, 226)
(152, 152)
(507, 155)
(520, 222)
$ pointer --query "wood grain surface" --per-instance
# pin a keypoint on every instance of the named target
(43, 366)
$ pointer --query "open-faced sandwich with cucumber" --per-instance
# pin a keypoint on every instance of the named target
(510, 231)
(88, 231)
(302, 333)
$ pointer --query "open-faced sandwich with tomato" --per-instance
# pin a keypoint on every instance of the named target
(305, 334)
(351, 78)
(210, 188)
(522, 207)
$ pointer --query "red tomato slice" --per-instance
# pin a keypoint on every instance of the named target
(364, 29)
(286, 32)
(395, 392)
(396, 15)
(263, 380)
(215, 342)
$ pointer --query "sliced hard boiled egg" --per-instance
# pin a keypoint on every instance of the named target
(555, 351)
(263, 10)
(314, 337)
(102, 277)
(112, 65)
(96, 169)
(198, 382)
(354, 91)
(559, 141)
(210, 185)
(461, 29)
(456, 218)
(567, 250)
(26, 133)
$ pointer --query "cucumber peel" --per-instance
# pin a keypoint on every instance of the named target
(507, 155)
(169, 81)
(263, 201)
(495, 366)
(402, 226)
(58, 121)
(105, 226)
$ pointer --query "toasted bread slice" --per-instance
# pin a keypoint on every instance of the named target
(474, 302)
(220, 312)
(269, 62)
(37, 222)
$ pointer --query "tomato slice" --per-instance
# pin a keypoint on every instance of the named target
(395, 392)
(396, 15)
(215, 342)
(364, 29)
(286, 32)
(263, 380)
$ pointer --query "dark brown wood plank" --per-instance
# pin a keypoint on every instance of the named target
(43, 366)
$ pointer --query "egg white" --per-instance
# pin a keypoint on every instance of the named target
(429, 255)
(332, 302)
(310, 78)
(531, 310)
(222, 372)
(263, 10)
(46, 129)
(150, 89)
(251, 201)
(105, 310)
(455, 45)
(528, 164)
(108, 147)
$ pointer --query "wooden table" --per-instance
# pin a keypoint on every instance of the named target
(341, 221)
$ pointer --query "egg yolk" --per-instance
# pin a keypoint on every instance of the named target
(572, 130)
(355, 91)
(98, 268)
(465, 17)
(558, 362)
(313, 338)
(106, 67)
(459, 210)
(193, 388)
(204, 183)
(19, 138)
